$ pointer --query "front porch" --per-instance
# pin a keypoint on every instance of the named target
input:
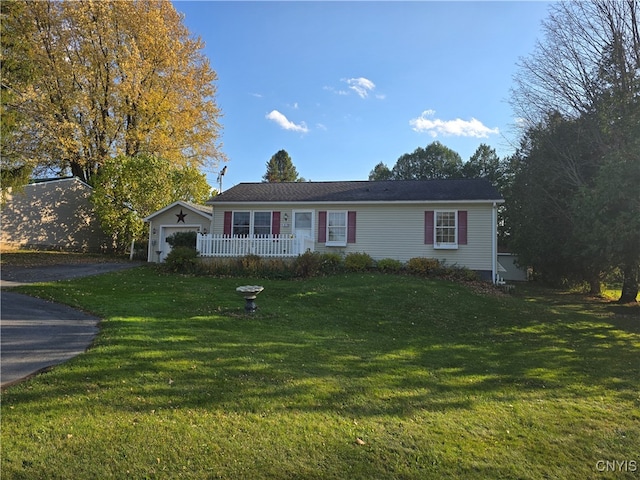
(270, 246)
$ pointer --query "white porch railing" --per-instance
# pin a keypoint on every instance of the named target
(261, 245)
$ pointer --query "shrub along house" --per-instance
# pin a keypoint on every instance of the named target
(454, 221)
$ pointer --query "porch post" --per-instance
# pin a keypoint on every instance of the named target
(494, 242)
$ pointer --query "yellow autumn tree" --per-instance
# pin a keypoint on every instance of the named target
(114, 78)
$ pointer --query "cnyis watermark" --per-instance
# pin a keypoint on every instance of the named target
(617, 466)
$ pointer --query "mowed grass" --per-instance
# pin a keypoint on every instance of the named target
(357, 376)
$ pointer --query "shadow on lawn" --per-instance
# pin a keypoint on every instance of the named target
(394, 367)
(622, 316)
(317, 346)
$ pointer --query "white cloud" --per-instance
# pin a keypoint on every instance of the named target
(333, 90)
(457, 128)
(362, 86)
(522, 123)
(284, 122)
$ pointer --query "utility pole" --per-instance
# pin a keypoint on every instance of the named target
(220, 175)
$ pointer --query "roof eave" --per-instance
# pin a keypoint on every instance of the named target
(207, 215)
(353, 202)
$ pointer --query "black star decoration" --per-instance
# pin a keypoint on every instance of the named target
(180, 216)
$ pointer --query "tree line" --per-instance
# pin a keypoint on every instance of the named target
(574, 204)
(436, 161)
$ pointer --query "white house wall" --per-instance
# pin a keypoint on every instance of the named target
(395, 231)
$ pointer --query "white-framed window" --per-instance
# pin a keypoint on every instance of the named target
(251, 223)
(241, 224)
(446, 229)
(336, 228)
(262, 223)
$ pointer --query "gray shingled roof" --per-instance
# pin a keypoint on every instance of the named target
(361, 191)
(201, 208)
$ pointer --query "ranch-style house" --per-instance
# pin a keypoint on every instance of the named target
(454, 221)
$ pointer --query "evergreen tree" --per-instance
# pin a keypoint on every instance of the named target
(280, 168)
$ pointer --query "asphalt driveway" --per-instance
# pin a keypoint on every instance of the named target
(36, 334)
(12, 276)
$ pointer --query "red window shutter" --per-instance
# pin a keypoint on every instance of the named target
(227, 223)
(428, 227)
(462, 227)
(322, 227)
(275, 223)
(351, 227)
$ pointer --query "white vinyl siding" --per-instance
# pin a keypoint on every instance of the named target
(393, 230)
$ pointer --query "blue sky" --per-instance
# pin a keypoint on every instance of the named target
(342, 86)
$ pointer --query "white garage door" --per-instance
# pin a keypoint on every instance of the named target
(166, 232)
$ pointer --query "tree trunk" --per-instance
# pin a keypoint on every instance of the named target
(595, 287)
(77, 170)
(629, 284)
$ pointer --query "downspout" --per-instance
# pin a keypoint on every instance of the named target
(494, 243)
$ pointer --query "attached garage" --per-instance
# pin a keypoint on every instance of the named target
(178, 217)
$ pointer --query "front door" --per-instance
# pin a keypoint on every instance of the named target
(303, 229)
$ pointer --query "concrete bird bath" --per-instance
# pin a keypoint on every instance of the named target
(250, 292)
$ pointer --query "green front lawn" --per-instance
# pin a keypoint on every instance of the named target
(358, 376)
